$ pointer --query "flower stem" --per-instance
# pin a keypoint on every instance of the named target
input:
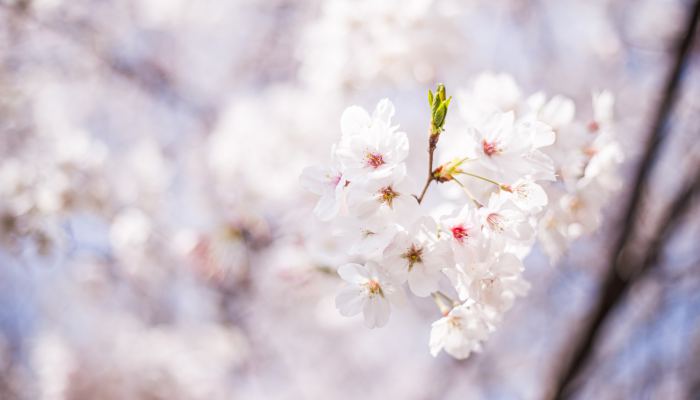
(482, 178)
(432, 144)
(471, 196)
(443, 302)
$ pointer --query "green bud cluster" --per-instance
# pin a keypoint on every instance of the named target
(439, 102)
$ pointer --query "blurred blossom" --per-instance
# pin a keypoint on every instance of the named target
(365, 43)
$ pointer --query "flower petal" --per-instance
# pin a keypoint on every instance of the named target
(354, 121)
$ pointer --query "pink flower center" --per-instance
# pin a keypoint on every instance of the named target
(593, 127)
(459, 232)
(387, 195)
(413, 255)
(374, 160)
(490, 148)
(374, 288)
(336, 179)
(522, 191)
(496, 222)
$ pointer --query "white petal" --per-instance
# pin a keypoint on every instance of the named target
(396, 268)
(327, 208)
(376, 311)
(350, 301)
(529, 196)
(422, 282)
(396, 296)
(353, 273)
(508, 264)
(542, 166)
(558, 112)
(437, 336)
(603, 104)
(458, 347)
(384, 111)
(459, 281)
(374, 244)
(400, 146)
(354, 121)
(314, 179)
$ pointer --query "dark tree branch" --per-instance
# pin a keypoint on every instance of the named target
(680, 207)
(614, 285)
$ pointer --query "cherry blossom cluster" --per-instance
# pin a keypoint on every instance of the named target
(511, 160)
(585, 154)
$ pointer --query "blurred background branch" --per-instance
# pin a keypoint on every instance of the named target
(623, 269)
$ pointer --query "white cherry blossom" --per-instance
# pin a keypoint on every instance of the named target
(511, 149)
(491, 277)
(370, 146)
(488, 94)
(603, 107)
(415, 256)
(462, 230)
(368, 291)
(460, 332)
(500, 218)
(527, 195)
(368, 237)
(329, 183)
(393, 193)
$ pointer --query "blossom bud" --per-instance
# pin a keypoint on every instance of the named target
(441, 92)
(439, 102)
(447, 171)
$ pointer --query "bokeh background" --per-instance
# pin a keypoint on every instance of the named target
(155, 242)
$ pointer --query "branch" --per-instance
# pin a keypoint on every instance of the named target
(432, 145)
(614, 286)
(439, 103)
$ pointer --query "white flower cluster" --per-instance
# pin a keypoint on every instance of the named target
(584, 155)
(514, 155)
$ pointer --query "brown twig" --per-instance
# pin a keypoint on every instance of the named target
(432, 145)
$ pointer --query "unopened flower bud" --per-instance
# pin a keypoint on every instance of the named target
(447, 171)
(439, 103)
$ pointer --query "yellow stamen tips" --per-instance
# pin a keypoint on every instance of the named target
(232, 233)
(374, 288)
(387, 195)
(551, 222)
(455, 322)
(576, 204)
(374, 160)
(590, 151)
(413, 255)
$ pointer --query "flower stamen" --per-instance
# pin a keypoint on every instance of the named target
(374, 288)
(387, 195)
(490, 148)
(496, 222)
(374, 160)
(413, 255)
(459, 232)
